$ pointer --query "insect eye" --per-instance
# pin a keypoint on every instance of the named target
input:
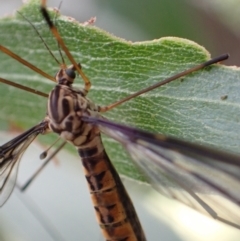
(70, 73)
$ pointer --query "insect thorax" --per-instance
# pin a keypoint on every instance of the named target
(66, 106)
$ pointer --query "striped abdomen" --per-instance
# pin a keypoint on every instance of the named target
(115, 212)
(114, 209)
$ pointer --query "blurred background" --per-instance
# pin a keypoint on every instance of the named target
(58, 208)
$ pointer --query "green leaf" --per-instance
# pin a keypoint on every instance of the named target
(202, 107)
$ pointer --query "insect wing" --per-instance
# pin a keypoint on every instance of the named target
(202, 178)
(10, 155)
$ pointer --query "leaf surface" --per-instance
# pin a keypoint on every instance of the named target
(202, 107)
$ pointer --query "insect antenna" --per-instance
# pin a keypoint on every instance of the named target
(63, 46)
(43, 155)
(39, 35)
(61, 55)
(34, 68)
(166, 81)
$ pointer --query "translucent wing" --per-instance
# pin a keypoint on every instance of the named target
(10, 154)
(205, 179)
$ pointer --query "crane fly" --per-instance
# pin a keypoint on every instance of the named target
(176, 168)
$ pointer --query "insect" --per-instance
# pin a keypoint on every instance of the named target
(176, 164)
